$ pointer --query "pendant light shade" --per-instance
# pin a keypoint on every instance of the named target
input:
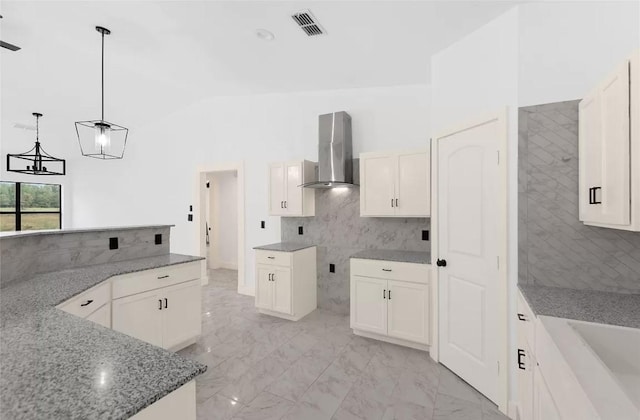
(101, 139)
(36, 161)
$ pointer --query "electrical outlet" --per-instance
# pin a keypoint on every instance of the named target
(158, 238)
(190, 208)
(425, 235)
(190, 218)
(332, 268)
(262, 224)
(113, 243)
(300, 230)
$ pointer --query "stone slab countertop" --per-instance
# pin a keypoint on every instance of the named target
(392, 255)
(584, 305)
(56, 365)
(284, 247)
(20, 234)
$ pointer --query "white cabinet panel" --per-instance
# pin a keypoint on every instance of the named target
(102, 316)
(286, 196)
(181, 315)
(179, 404)
(369, 304)
(139, 316)
(412, 184)
(277, 191)
(408, 306)
(377, 189)
(282, 290)
(264, 291)
(544, 405)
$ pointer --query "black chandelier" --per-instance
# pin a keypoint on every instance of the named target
(39, 161)
(101, 139)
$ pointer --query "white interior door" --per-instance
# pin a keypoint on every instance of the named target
(282, 290)
(264, 289)
(413, 189)
(139, 316)
(408, 306)
(467, 223)
(182, 317)
(276, 189)
(293, 197)
(590, 158)
(378, 192)
(616, 194)
(369, 304)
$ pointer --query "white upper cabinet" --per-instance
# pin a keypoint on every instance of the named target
(609, 152)
(286, 196)
(395, 184)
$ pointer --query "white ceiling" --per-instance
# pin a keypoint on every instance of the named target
(163, 55)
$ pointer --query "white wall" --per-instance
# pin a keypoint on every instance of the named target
(156, 181)
(567, 47)
(224, 219)
(471, 78)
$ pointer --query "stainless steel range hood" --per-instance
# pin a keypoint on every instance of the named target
(335, 159)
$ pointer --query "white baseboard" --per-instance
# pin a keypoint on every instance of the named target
(228, 265)
(392, 340)
(512, 410)
(204, 280)
(246, 290)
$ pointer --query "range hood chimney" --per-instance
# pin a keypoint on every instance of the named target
(335, 159)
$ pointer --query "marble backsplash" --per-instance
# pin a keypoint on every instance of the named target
(23, 256)
(338, 231)
(554, 247)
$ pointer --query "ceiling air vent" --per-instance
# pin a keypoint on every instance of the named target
(308, 23)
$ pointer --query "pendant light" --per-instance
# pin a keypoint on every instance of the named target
(38, 162)
(101, 139)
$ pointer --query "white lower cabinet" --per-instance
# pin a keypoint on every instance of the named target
(394, 305)
(286, 283)
(179, 404)
(102, 316)
(168, 317)
(543, 405)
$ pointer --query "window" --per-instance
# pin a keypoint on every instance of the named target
(27, 206)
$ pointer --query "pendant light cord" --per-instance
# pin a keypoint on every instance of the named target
(37, 129)
(102, 76)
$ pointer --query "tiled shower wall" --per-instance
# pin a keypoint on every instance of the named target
(339, 232)
(555, 248)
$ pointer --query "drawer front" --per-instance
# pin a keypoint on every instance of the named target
(391, 270)
(525, 321)
(87, 302)
(156, 278)
(282, 259)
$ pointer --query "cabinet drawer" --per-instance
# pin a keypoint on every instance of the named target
(156, 278)
(391, 270)
(273, 258)
(525, 321)
(87, 302)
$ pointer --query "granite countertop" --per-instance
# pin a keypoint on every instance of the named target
(584, 305)
(56, 365)
(20, 234)
(284, 247)
(390, 255)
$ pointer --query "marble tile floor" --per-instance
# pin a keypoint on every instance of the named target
(266, 368)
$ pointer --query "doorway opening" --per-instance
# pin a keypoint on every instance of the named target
(221, 221)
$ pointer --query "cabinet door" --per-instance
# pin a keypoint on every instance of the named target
(139, 316)
(181, 313)
(408, 311)
(277, 193)
(615, 152)
(369, 304)
(282, 290)
(377, 185)
(544, 408)
(264, 289)
(590, 162)
(413, 184)
(524, 363)
(102, 316)
(293, 197)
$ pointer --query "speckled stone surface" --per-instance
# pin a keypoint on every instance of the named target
(54, 365)
(389, 255)
(621, 309)
(284, 247)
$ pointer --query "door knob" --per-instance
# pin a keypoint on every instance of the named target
(441, 263)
